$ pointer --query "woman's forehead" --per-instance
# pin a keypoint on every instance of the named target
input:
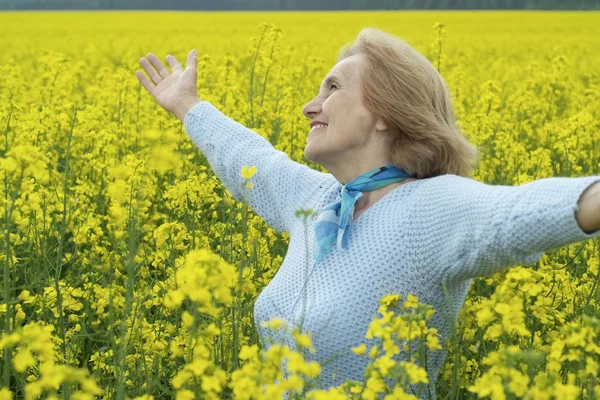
(342, 71)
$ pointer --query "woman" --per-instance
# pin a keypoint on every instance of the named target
(397, 212)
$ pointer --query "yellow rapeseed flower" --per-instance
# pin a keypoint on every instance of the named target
(248, 172)
(303, 340)
(185, 394)
(129, 164)
(23, 360)
(373, 352)
(5, 394)
(247, 352)
(400, 394)
(273, 323)
(360, 350)
(433, 343)
(415, 373)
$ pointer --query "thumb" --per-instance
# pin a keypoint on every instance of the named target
(192, 60)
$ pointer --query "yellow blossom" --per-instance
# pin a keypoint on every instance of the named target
(360, 350)
(5, 394)
(248, 172)
(303, 340)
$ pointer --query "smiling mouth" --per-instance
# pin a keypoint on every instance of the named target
(317, 127)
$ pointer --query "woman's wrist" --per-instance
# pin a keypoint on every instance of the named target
(184, 105)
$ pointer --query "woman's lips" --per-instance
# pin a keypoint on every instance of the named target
(316, 128)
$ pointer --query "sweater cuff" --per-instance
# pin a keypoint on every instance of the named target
(198, 111)
(574, 232)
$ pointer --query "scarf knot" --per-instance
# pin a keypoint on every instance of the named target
(335, 220)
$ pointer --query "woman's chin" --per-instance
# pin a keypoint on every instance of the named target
(309, 154)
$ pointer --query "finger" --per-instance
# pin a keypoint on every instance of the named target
(192, 60)
(174, 64)
(156, 78)
(160, 67)
(144, 81)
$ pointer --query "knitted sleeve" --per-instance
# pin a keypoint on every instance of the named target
(481, 229)
(280, 184)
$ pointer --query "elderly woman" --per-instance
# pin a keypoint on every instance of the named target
(397, 212)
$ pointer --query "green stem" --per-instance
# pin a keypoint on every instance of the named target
(134, 233)
(251, 97)
(7, 269)
(59, 255)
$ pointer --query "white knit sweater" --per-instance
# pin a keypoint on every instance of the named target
(443, 229)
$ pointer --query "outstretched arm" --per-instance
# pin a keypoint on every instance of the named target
(588, 216)
(480, 229)
(280, 185)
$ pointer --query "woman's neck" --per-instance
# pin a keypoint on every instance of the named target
(371, 197)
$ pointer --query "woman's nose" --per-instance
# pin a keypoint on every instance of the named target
(310, 107)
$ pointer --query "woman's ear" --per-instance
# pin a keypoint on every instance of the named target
(380, 125)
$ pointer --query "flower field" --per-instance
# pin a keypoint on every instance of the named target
(130, 272)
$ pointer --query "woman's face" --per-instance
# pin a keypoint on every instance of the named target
(351, 131)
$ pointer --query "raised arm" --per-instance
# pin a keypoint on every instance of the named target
(280, 185)
(482, 229)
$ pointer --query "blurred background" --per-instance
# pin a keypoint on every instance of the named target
(299, 4)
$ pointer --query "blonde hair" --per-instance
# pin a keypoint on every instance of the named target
(404, 89)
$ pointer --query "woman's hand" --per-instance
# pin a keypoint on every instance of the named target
(175, 92)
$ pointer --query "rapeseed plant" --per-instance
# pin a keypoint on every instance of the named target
(130, 271)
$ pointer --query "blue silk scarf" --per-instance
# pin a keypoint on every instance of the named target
(335, 220)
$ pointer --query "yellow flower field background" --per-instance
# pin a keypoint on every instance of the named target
(129, 271)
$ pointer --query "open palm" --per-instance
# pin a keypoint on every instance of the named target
(169, 89)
